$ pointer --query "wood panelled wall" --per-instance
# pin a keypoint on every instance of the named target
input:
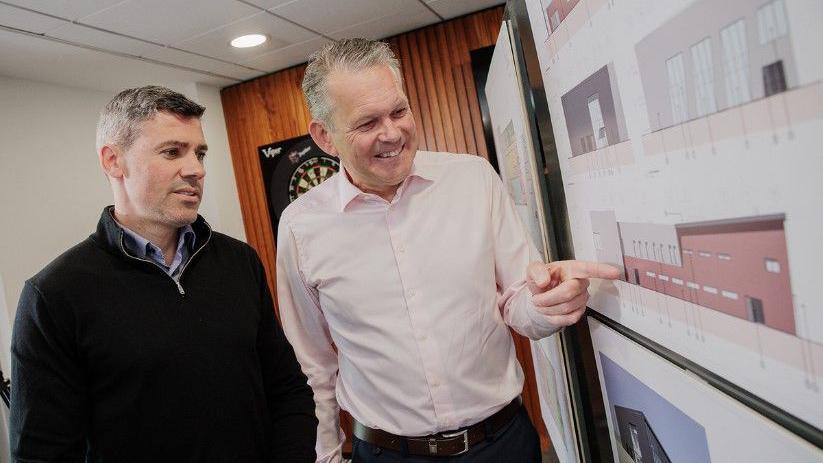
(439, 83)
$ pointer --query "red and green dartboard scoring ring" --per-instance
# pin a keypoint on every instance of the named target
(310, 173)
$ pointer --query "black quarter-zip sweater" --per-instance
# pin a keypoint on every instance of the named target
(113, 362)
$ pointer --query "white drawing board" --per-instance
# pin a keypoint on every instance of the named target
(689, 137)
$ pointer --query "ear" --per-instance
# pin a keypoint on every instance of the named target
(111, 161)
(321, 135)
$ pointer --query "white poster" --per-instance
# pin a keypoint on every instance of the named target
(657, 412)
(689, 136)
(516, 160)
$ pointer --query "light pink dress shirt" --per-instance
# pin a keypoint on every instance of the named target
(398, 311)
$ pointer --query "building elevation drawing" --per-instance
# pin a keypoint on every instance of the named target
(688, 134)
(637, 437)
(714, 56)
(594, 116)
(556, 11)
(648, 427)
(738, 266)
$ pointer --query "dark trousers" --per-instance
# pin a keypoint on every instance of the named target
(516, 442)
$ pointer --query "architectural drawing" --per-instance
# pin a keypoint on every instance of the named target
(638, 438)
(649, 428)
(778, 115)
(593, 112)
(511, 157)
(736, 266)
(718, 171)
(714, 56)
(562, 20)
(556, 11)
(674, 412)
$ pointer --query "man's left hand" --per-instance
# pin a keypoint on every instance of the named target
(560, 289)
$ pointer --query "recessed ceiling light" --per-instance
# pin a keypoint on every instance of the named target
(246, 41)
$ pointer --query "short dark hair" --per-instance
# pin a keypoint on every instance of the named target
(120, 120)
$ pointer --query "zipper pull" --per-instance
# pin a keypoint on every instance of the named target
(180, 288)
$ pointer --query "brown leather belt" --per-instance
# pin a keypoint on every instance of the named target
(441, 444)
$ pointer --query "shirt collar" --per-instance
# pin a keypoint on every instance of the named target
(142, 248)
(424, 170)
(348, 192)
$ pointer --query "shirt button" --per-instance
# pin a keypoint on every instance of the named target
(435, 382)
(401, 249)
(411, 293)
(421, 336)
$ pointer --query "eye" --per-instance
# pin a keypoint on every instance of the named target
(366, 126)
(201, 155)
(398, 113)
(171, 152)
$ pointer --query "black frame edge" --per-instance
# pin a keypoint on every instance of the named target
(592, 434)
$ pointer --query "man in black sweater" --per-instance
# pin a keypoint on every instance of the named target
(155, 339)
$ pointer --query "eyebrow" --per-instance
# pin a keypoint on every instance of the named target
(400, 102)
(181, 144)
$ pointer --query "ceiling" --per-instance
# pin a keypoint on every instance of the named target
(112, 44)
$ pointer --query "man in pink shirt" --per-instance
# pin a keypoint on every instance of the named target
(399, 277)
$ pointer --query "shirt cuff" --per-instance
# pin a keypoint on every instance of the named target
(541, 326)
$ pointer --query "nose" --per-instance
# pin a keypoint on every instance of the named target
(391, 132)
(193, 166)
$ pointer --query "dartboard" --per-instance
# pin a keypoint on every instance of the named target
(310, 173)
(290, 168)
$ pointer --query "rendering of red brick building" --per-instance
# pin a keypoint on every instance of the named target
(736, 266)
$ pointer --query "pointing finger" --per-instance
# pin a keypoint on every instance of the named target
(582, 269)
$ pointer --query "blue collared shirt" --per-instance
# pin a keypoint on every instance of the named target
(144, 249)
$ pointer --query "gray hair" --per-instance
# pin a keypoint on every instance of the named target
(345, 54)
(120, 120)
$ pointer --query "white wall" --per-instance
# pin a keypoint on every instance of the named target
(52, 190)
(221, 205)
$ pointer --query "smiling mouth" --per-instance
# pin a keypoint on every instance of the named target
(389, 154)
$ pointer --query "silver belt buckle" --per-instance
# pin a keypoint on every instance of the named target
(433, 446)
(465, 434)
